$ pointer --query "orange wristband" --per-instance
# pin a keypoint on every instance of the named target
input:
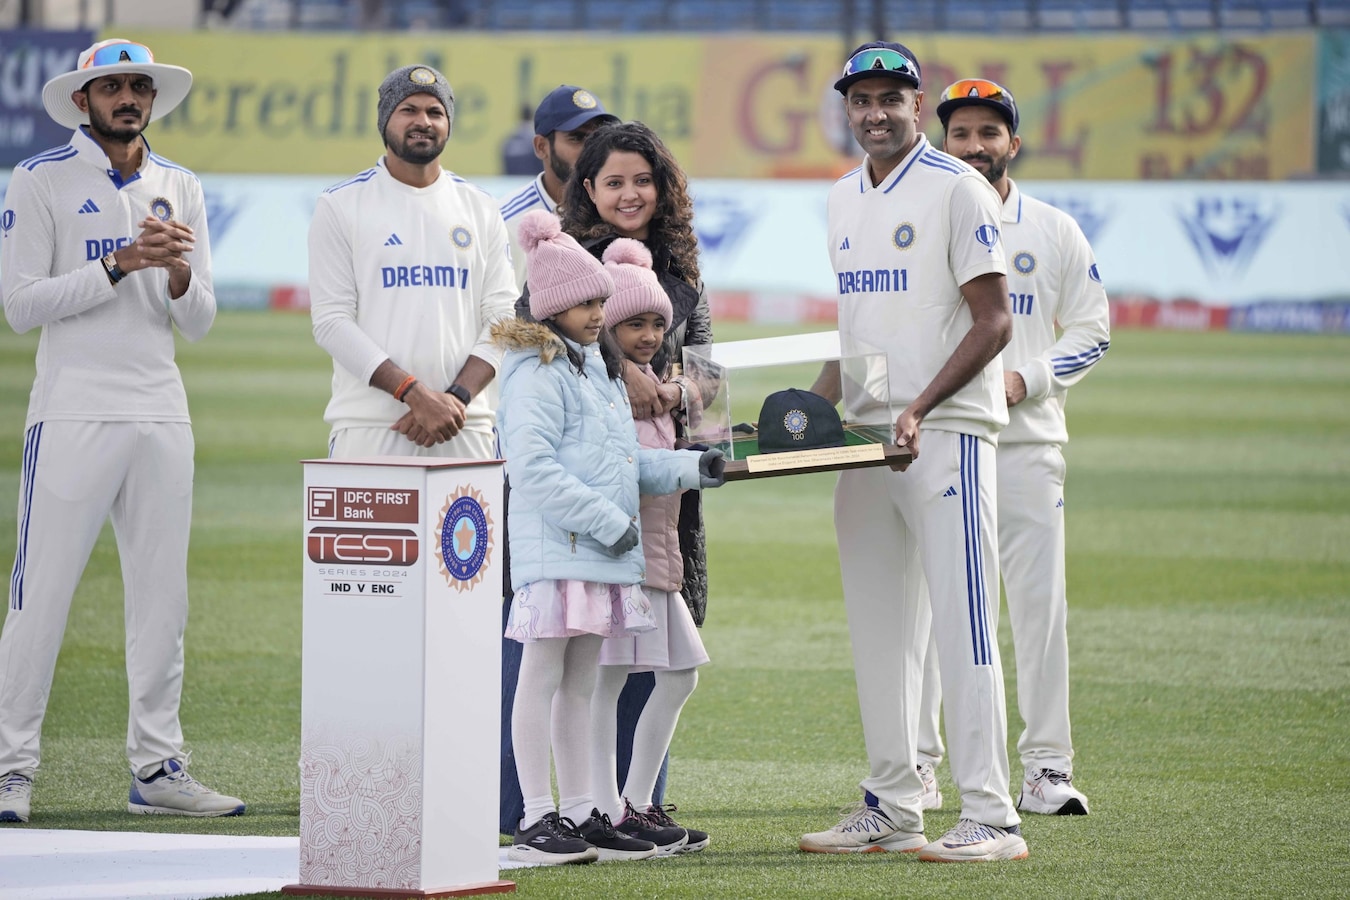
(402, 390)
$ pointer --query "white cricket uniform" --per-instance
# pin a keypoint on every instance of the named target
(107, 431)
(514, 208)
(413, 275)
(901, 251)
(1053, 281)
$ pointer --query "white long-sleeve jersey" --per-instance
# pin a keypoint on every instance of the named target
(514, 207)
(901, 251)
(1053, 280)
(413, 275)
(106, 352)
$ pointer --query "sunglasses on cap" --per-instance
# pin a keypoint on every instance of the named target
(976, 88)
(120, 52)
(880, 59)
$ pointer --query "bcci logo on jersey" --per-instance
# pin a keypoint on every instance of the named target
(465, 540)
(903, 236)
(1228, 231)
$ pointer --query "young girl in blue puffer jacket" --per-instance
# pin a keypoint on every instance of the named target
(577, 564)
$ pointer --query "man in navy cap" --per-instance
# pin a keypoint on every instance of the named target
(562, 122)
(920, 271)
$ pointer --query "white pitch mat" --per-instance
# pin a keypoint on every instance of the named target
(110, 865)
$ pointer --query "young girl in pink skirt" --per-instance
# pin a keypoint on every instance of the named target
(577, 566)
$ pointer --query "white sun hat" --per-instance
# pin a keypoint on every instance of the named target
(112, 57)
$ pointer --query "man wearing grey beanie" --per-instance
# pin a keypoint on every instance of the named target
(409, 267)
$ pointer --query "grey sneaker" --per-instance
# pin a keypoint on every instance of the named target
(176, 793)
(552, 841)
(1051, 793)
(932, 797)
(16, 794)
(865, 829)
(972, 841)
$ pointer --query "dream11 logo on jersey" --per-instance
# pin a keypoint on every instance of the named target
(1227, 231)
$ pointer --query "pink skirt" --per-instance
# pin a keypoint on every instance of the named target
(559, 609)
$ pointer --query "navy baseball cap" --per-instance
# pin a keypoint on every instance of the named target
(977, 92)
(567, 108)
(798, 420)
(880, 59)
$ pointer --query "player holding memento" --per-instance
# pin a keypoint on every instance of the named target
(409, 267)
(1054, 285)
(103, 245)
(914, 241)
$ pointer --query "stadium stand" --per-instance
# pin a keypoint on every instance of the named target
(789, 15)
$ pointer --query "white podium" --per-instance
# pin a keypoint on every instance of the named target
(401, 674)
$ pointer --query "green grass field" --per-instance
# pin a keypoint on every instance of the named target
(1209, 544)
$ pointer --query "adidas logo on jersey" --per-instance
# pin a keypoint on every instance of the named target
(844, 245)
(949, 492)
(393, 241)
(1060, 504)
(89, 207)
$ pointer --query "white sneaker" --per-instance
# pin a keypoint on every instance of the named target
(16, 796)
(176, 793)
(865, 829)
(971, 841)
(932, 797)
(1051, 793)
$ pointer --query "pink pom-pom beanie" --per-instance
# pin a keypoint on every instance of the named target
(636, 289)
(561, 274)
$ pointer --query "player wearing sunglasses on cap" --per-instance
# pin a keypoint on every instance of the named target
(103, 245)
(914, 241)
(1061, 329)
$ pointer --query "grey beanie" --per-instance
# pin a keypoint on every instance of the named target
(401, 84)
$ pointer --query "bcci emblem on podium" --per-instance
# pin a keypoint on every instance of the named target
(465, 544)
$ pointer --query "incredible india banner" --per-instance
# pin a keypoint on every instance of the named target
(746, 106)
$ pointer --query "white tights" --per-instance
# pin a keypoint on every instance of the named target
(651, 738)
(552, 709)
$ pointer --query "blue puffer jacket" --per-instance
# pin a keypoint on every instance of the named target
(573, 459)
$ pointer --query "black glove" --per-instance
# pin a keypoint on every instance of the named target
(625, 543)
(712, 465)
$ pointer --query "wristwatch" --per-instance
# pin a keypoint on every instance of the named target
(114, 271)
(460, 393)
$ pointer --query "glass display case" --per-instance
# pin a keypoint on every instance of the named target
(729, 384)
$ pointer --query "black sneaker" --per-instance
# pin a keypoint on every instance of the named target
(599, 832)
(551, 841)
(697, 840)
(668, 838)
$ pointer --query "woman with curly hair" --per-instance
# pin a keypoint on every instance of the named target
(626, 183)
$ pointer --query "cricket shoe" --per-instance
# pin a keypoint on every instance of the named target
(599, 832)
(16, 797)
(668, 837)
(173, 792)
(971, 841)
(697, 840)
(932, 797)
(865, 829)
(1051, 793)
(552, 841)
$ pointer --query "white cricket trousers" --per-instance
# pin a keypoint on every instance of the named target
(348, 443)
(1031, 556)
(935, 522)
(76, 474)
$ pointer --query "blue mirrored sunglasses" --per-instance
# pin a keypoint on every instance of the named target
(121, 52)
(870, 60)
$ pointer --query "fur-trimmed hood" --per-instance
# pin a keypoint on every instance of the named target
(518, 334)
